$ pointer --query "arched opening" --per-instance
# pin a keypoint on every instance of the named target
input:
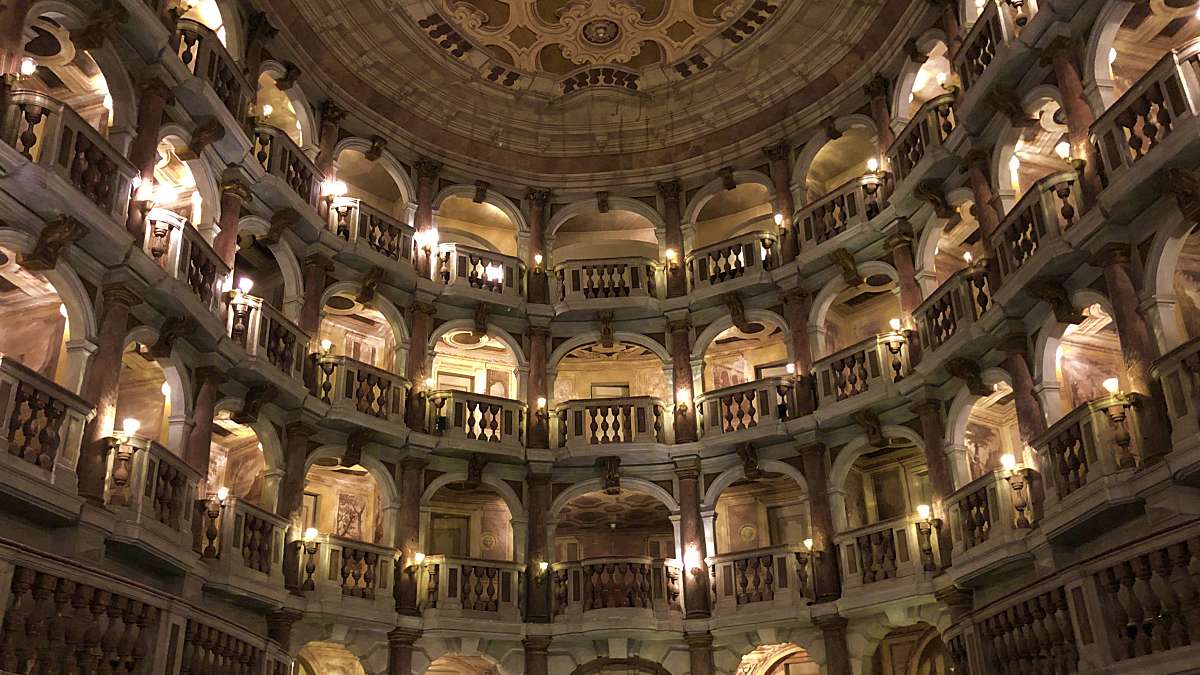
(208, 14)
(730, 213)
(256, 262)
(911, 650)
(1033, 152)
(484, 226)
(370, 182)
(623, 370)
(597, 236)
(768, 510)
(991, 432)
(861, 312)
(145, 395)
(176, 188)
(958, 240)
(778, 659)
(929, 82)
(343, 501)
(275, 108)
(351, 329)
(36, 329)
(755, 351)
(886, 484)
(1087, 359)
(454, 664)
(327, 658)
(631, 665)
(67, 74)
(237, 462)
(469, 361)
(841, 160)
(625, 524)
(1186, 287)
(469, 521)
(1147, 32)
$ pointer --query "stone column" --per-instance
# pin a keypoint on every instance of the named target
(1137, 350)
(681, 372)
(539, 419)
(331, 117)
(900, 244)
(408, 535)
(881, 111)
(419, 329)
(1031, 418)
(234, 193)
(12, 37)
(100, 388)
(400, 650)
(316, 270)
(427, 173)
(700, 651)
(539, 278)
(291, 489)
(837, 653)
(154, 97)
(825, 560)
(941, 478)
(259, 32)
(676, 277)
(781, 177)
(975, 164)
(1063, 54)
(696, 599)
(796, 307)
(537, 649)
(950, 25)
(537, 583)
(199, 441)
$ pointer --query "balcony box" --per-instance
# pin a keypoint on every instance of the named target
(765, 579)
(359, 393)
(995, 51)
(841, 215)
(623, 592)
(1029, 241)
(479, 590)
(299, 181)
(373, 235)
(611, 284)
(1178, 371)
(924, 150)
(485, 422)
(479, 274)
(884, 561)
(275, 348)
(742, 262)
(989, 519)
(755, 409)
(213, 85)
(344, 577)
(45, 427)
(861, 374)
(183, 253)
(952, 312)
(152, 493)
(242, 546)
(602, 423)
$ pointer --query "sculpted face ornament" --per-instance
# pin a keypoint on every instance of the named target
(601, 31)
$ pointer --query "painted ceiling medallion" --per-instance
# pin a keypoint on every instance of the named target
(601, 31)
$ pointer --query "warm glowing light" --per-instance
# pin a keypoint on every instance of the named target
(427, 239)
(872, 165)
(494, 273)
(923, 511)
(671, 255)
(808, 544)
(1063, 150)
(1112, 385)
(28, 66)
(130, 426)
(62, 310)
(430, 382)
(791, 368)
(418, 558)
(197, 207)
(1008, 461)
(332, 187)
(543, 566)
(165, 194)
(326, 344)
(895, 324)
(683, 396)
(1112, 55)
(778, 218)
(267, 109)
(166, 389)
(541, 403)
(311, 534)
(941, 79)
(967, 257)
(537, 259)
(691, 559)
(245, 284)
(222, 493)
(1014, 163)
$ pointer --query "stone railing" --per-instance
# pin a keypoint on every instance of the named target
(997, 25)
(463, 415)
(654, 585)
(205, 57)
(48, 133)
(992, 509)
(954, 306)
(43, 426)
(1179, 372)
(152, 492)
(1146, 115)
(881, 551)
(580, 282)
(1033, 635)
(872, 364)
(778, 575)
(461, 266)
(852, 204)
(1048, 209)
(928, 129)
(341, 381)
(240, 541)
(183, 253)
(605, 421)
(746, 406)
(1093, 441)
(333, 566)
(490, 587)
(356, 221)
(714, 265)
(266, 334)
(281, 157)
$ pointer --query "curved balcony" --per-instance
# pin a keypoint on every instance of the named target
(953, 310)
(1178, 370)
(488, 422)
(862, 373)
(274, 345)
(765, 579)
(372, 233)
(601, 423)
(922, 140)
(732, 264)
(242, 547)
(757, 408)
(487, 590)
(882, 560)
(624, 589)
(346, 577)
(183, 253)
(481, 274)
(280, 157)
(844, 210)
(359, 393)
(1034, 228)
(49, 134)
(989, 518)
(989, 41)
(616, 283)
(205, 57)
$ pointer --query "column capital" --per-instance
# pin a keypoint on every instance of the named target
(878, 86)
(1014, 343)
(960, 601)
(1112, 253)
(427, 169)
(811, 449)
(898, 239)
(927, 406)
(412, 462)
(425, 308)
(796, 296)
(536, 643)
(538, 331)
(670, 189)
(1060, 46)
(209, 375)
(687, 468)
(279, 625)
(538, 196)
(56, 236)
(235, 186)
(778, 152)
(831, 624)
(319, 260)
(977, 158)
(679, 325)
(698, 640)
(118, 294)
(154, 86)
(300, 429)
(402, 636)
(332, 113)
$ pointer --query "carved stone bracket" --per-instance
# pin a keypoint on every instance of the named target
(878, 86)
(1008, 104)
(829, 124)
(931, 192)
(378, 144)
(101, 24)
(602, 201)
(1055, 294)
(291, 73)
(845, 260)
(480, 318)
(427, 169)
(1184, 185)
(871, 426)
(726, 175)
(332, 113)
(475, 467)
(607, 339)
(280, 220)
(610, 468)
(749, 457)
(737, 311)
(481, 190)
(355, 442)
(172, 328)
(670, 189)
(55, 237)
(369, 285)
(208, 130)
(968, 371)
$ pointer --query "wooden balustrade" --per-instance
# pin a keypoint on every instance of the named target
(211, 650)
(994, 508)
(959, 302)
(928, 129)
(151, 489)
(850, 205)
(205, 56)
(871, 364)
(746, 406)
(339, 567)
(881, 551)
(777, 574)
(281, 157)
(451, 584)
(43, 426)
(1048, 209)
(1034, 635)
(48, 133)
(183, 253)
(356, 221)
(731, 259)
(477, 417)
(1179, 372)
(616, 583)
(1146, 115)
(342, 381)
(581, 281)
(604, 421)
(457, 265)
(240, 537)
(997, 26)
(266, 334)
(1097, 439)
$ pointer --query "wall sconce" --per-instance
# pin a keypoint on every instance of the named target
(968, 258)
(1112, 385)
(672, 257)
(778, 220)
(213, 508)
(241, 310)
(873, 165)
(1063, 149)
(1118, 414)
(124, 446)
(326, 346)
(683, 397)
(543, 566)
(1016, 480)
(28, 66)
(129, 427)
(692, 561)
(1007, 461)
(926, 524)
(310, 546)
(418, 560)
(790, 368)
(427, 240)
(895, 325)
(537, 263)
(430, 383)
(332, 188)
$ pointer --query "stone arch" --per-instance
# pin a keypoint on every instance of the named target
(206, 176)
(819, 140)
(903, 85)
(309, 131)
(599, 665)
(1006, 143)
(964, 401)
(825, 298)
(717, 185)
(840, 468)
(733, 474)
(627, 482)
(925, 250)
(615, 203)
(384, 306)
(179, 378)
(711, 331)
(435, 655)
(1046, 342)
(386, 159)
(1097, 77)
(510, 210)
(513, 343)
(289, 265)
(272, 449)
(389, 496)
(506, 492)
(590, 337)
(1158, 277)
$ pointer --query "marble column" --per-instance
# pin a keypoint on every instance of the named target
(400, 650)
(259, 32)
(539, 279)
(1031, 418)
(199, 441)
(696, 599)
(672, 216)
(881, 111)
(796, 306)
(427, 173)
(537, 583)
(234, 193)
(539, 419)
(941, 478)
(154, 97)
(100, 388)
(316, 271)
(408, 535)
(781, 177)
(700, 652)
(331, 117)
(291, 489)
(828, 585)
(1138, 350)
(837, 652)
(537, 651)
(1063, 54)
(975, 164)
(12, 35)
(950, 24)
(900, 244)
(681, 372)
(420, 328)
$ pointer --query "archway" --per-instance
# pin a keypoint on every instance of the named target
(989, 432)
(592, 235)
(1130, 38)
(882, 484)
(778, 659)
(153, 401)
(345, 501)
(631, 665)
(1027, 154)
(462, 520)
(469, 361)
(359, 331)
(764, 510)
(626, 524)
(491, 225)
(1185, 284)
(276, 108)
(72, 75)
(238, 461)
(36, 328)
(928, 82)
(1079, 362)
(725, 214)
(373, 183)
(845, 315)
(756, 350)
(627, 368)
(911, 650)
(852, 154)
(455, 664)
(327, 658)
(183, 187)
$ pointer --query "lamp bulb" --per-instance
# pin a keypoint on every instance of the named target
(130, 426)
(923, 511)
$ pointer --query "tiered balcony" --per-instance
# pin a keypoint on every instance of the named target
(151, 492)
(50, 135)
(840, 215)
(616, 283)
(480, 590)
(617, 591)
(275, 347)
(991, 513)
(279, 156)
(483, 275)
(218, 87)
(183, 253)
(41, 447)
(919, 148)
(1029, 240)
(862, 373)
(762, 406)
(359, 393)
(601, 423)
(989, 47)
(733, 264)
(485, 421)
(242, 546)
(371, 233)
(884, 560)
(952, 312)
(345, 577)
(1178, 371)
(762, 580)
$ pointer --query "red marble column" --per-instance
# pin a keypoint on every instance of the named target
(537, 650)
(259, 32)
(234, 193)
(672, 216)
(824, 552)
(408, 535)
(837, 653)
(154, 97)
(331, 117)
(427, 173)
(696, 600)
(12, 36)
(1031, 418)
(700, 651)
(539, 280)
(400, 650)
(199, 441)
(796, 306)
(537, 583)
(539, 420)
(881, 111)
(420, 328)
(902, 259)
(1063, 54)
(781, 177)
(941, 478)
(975, 164)
(681, 370)
(951, 25)
(291, 488)
(316, 271)
(100, 388)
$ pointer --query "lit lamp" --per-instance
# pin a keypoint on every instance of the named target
(778, 220)
(427, 241)
(537, 263)
(28, 66)
(683, 397)
(326, 346)
(1017, 480)
(418, 560)
(1118, 414)
(692, 561)
(926, 524)
(240, 315)
(894, 342)
(310, 546)
(124, 446)
(494, 273)
(672, 257)
(873, 165)
(212, 511)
